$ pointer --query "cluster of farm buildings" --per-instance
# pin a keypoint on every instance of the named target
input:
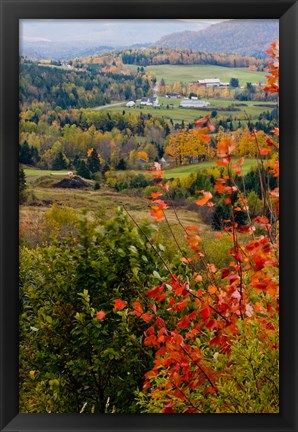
(152, 101)
(145, 101)
(193, 102)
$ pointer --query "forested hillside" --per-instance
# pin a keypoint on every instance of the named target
(239, 36)
(183, 56)
(78, 88)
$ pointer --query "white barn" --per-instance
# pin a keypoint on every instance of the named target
(211, 82)
(188, 103)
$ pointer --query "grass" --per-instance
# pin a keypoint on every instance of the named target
(184, 171)
(41, 180)
(251, 108)
(35, 172)
(177, 114)
(188, 115)
(105, 202)
(188, 73)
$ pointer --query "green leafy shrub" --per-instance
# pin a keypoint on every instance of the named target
(69, 359)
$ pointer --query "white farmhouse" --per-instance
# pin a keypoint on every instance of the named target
(150, 101)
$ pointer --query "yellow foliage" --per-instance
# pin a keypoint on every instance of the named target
(143, 155)
(189, 145)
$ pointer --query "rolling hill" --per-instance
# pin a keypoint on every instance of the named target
(239, 36)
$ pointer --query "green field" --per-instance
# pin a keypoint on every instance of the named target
(188, 73)
(184, 171)
(169, 108)
(33, 174)
(176, 114)
(251, 109)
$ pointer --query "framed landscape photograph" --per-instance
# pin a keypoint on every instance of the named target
(148, 216)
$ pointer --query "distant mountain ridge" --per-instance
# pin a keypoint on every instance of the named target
(239, 36)
(57, 51)
(67, 39)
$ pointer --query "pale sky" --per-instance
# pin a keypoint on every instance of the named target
(106, 32)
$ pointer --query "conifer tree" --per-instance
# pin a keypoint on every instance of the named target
(59, 162)
(83, 170)
(93, 162)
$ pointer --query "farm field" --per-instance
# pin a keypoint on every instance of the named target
(33, 174)
(251, 108)
(170, 109)
(184, 171)
(188, 73)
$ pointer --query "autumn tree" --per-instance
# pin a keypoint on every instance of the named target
(189, 145)
(142, 155)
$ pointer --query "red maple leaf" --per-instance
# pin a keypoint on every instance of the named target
(119, 304)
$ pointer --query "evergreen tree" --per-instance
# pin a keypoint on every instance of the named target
(76, 161)
(82, 170)
(25, 156)
(93, 162)
(105, 168)
(234, 82)
(220, 213)
(121, 165)
(59, 162)
(22, 185)
(34, 155)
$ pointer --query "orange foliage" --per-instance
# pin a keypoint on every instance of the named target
(214, 302)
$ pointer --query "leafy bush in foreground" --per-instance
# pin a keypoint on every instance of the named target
(71, 358)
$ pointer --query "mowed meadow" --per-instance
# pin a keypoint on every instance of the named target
(169, 109)
(189, 73)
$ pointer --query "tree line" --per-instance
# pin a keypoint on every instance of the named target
(155, 56)
(77, 88)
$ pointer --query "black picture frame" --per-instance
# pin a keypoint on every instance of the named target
(13, 10)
